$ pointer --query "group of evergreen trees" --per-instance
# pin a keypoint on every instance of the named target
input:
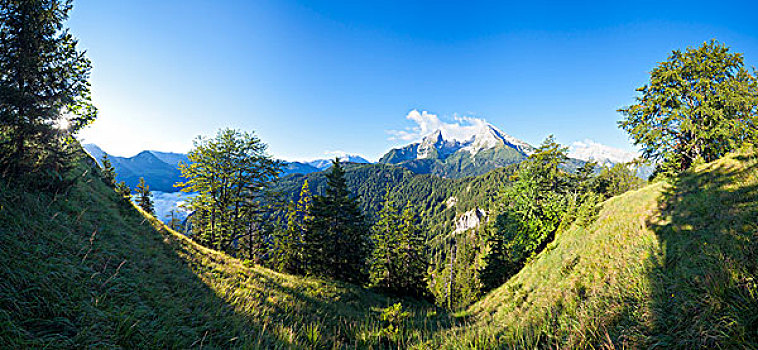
(44, 91)
(329, 236)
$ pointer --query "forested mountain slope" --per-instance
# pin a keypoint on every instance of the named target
(669, 265)
(437, 201)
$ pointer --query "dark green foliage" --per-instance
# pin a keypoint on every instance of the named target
(109, 173)
(398, 260)
(454, 276)
(699, 103)
(143, 197)
(438, 201)
(44, 92)
(287, 253)
(231, 174)
(123, 190)
(543, 200)
(336, 240)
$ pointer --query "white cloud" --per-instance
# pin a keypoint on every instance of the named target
(461, 129)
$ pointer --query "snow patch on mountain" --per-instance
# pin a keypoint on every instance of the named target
(435, 145)
(590, 150)
(490, 137)
(326, 163)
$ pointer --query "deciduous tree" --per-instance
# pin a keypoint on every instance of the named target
(700, 102)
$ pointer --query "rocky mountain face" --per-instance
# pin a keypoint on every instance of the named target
(488, 149)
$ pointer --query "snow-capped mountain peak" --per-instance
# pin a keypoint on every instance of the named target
(436, 142)
(489, 136)
(602, 154)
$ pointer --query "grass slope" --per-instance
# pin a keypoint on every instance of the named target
(669, 265)
(86, 269)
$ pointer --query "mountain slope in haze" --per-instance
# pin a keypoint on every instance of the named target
(669, 265)
(160, 169)
(85, 269)
(486, 150)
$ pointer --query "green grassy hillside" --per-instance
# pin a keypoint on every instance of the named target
(669, 265)
(85, 269)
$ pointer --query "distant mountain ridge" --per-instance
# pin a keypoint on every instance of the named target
(323, 164)
(160, 169)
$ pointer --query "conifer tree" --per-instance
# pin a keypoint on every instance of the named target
(123, 190)
(412, 253)
(143, 197)
(44, 89)
(384, 271)
(336, 239)
(109, 173)
(288, 254)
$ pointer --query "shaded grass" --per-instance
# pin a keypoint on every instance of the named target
(86, 269)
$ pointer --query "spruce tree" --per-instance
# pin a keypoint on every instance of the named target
(336, 239)
(288, 254)
(385, 239)
(123, 190)
(412, 253)
(109, 173)
(143, 197)
(44, 89)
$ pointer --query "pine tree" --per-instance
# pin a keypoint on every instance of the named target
(123, 190)
(44, 89)
(412, 253)
(336, 239)
(385, 238)
(288, 255)
(109, 173)
(143, 197)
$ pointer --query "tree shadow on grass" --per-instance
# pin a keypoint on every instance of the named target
(705, 279)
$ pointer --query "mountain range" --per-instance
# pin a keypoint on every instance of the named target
(436, 154)
(160, 169)
(489, 148)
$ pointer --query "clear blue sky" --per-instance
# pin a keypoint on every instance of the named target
(315, 77)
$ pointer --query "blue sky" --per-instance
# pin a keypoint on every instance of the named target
(317, 77)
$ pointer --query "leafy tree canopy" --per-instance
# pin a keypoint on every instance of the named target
(700, 102)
